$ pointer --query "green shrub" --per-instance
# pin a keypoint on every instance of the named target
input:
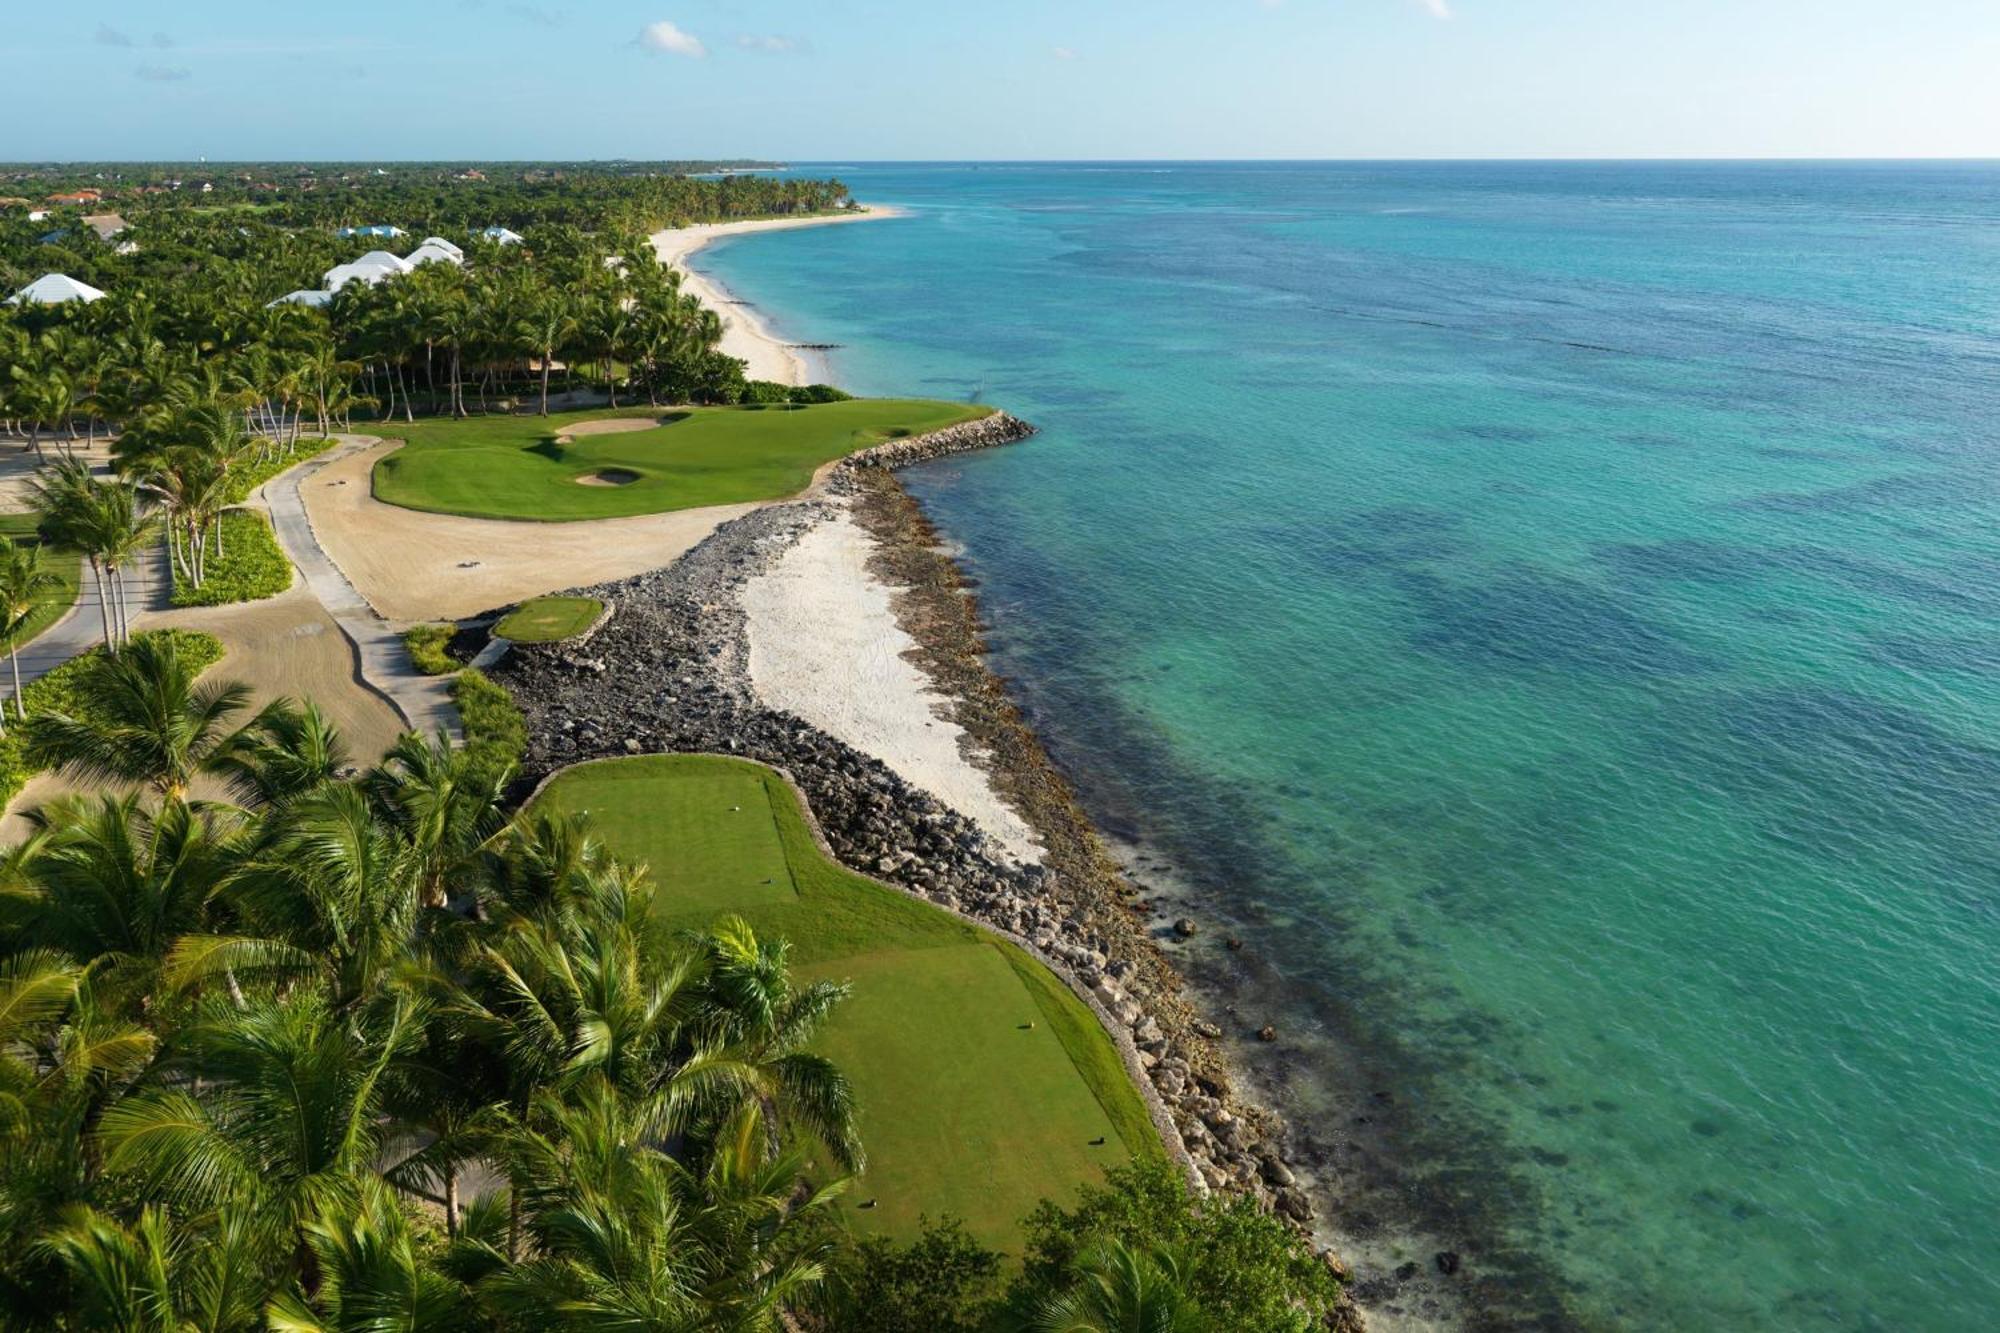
(496, 734)
(251, 566)
(56, 693)
(765, 391)
(248, 475)
(429, 647)
(819, 393)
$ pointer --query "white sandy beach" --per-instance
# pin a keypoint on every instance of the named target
(765, 355)
(825, 645)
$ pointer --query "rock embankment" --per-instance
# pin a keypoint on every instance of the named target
(967, 436)
(671, 674)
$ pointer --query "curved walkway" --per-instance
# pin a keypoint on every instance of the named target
(424, 701)
(149, 588)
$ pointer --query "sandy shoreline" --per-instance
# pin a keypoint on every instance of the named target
(826, 646)
(765, 355)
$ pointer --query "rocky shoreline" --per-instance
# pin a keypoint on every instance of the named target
(671, 674)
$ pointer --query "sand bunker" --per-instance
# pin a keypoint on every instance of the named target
(824, 644)
(612, 426)
(610, 476)
(415, 566)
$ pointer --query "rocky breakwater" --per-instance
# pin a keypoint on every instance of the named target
(981, 433)
(671, 675)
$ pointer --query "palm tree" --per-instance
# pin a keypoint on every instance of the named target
(445, 810)
(288, 1125)
(282, 754)
(370, 1276)
(764, 1026)
(153, 1277)
(1119, 1289)
(142, 719)
(628, 1237)
(547, 326)
(109, 883)
(23, 580)
(106, 521)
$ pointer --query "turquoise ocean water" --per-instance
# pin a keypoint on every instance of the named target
(1552, 614)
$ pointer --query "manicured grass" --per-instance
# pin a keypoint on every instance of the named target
(965, 1108)
(61, 561)
(548, 619)
(250, 567)
(512, 467)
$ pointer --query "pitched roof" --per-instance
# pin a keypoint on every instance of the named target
(306, 296)
(442, 244)
(106, 225)
(502, 235)
(53, 289)
(432, 253)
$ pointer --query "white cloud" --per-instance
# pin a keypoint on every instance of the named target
(1062, 52)
(671, 39)
(110, 36)
(1440, 9)
(162, 41)
(771, 42)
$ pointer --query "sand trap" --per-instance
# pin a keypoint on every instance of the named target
(613, 426)
(284, 646)
(414, 566)
(611, 476)
(824, 644)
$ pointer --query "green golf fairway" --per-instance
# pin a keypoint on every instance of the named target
(984, 1084)
(548, 619)
(533, 468)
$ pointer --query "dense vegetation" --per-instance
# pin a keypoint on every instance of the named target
(363, 1052)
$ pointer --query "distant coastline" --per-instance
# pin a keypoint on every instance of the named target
(765, 355)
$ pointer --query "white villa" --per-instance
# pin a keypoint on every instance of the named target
(54, 289)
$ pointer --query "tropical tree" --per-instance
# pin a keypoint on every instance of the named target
(23, 581)
(107, 521)
(1120, 1288)
(142, 718)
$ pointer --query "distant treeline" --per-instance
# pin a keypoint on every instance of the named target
(431, 197)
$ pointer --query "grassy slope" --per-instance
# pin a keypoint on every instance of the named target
(511, 467)
(964, 1108)
(64, 563)
(547, 619)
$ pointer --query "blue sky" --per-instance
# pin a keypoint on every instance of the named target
(877, 79)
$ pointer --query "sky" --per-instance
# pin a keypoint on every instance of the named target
(832, 80)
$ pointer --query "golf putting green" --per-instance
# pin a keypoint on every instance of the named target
(984, 1084)
(579, 465)
(549, 619)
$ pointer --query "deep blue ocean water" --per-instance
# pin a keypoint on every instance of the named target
(1552, 614)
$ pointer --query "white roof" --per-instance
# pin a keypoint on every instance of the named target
(432, 253)
(441, 243)
(53, 289)
(502, 235)
(303, 297)
(383, 260)
(371, 268)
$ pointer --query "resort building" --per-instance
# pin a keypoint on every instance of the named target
(306, 297)
(502, 235)
(371, 268)
(54, 289)
(433, 250)
(375, 229)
